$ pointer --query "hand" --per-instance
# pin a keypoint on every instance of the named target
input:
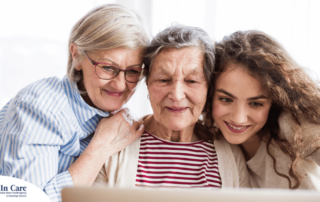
(112, 135)
(116, 132)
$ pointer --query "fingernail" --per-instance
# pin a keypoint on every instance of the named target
(141, 126)
(114, 112)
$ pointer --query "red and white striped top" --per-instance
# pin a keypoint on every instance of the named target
(174, 164)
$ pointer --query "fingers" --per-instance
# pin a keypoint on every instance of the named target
(125, 115)
(139, 132)
(141, 121)
(125, 111)
(136, 125)
(128, 117)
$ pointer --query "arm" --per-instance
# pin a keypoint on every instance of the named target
(112, 135)
(309, 135)
(30, 142)
(30, 148)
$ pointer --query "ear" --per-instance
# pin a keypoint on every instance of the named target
(75, 55)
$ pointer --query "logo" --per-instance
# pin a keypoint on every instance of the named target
(14, 189)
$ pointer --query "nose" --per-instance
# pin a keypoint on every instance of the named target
(119, 82)
(239, 115)
(177, 91)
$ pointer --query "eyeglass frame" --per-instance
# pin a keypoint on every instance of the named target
(125, 70)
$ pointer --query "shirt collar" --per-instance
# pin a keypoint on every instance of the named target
(82, 110)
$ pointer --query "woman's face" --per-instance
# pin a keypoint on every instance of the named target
(240, 106)
(109, 95)
(177, 87)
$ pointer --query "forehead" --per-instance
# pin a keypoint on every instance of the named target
(187, 60)
(237, 81)
(119, 56)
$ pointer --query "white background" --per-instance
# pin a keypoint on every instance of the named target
(34, 33)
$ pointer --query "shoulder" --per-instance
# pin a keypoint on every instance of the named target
(46, 94)
(232, 165)
(147, 122)
(225, 147)
(286, 124)
(39, 109)
(40, 102)
(308, 132)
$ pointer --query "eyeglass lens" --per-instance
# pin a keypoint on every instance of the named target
(133, 74)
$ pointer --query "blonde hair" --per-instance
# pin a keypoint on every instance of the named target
(105, 27)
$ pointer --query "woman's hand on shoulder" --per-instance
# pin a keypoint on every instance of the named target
(116, 132)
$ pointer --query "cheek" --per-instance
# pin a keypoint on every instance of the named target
(262, 116)
(157, 93)
(218, 110)
(91, 80)
(197, 104)
(156, 96)
(95, 85)
(197, 96)
(131, 86)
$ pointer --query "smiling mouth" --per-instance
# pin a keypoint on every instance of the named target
(177, 109)
(236, 129)
(115, 94)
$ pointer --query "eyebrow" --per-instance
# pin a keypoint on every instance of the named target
(164, 71)
(114, 63)
(251, 98)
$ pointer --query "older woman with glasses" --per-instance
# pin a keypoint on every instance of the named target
(109, 70)
(53, 133)
(176, 150)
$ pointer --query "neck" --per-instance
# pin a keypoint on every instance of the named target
(84, 95)
(250, 147)
(160, 131)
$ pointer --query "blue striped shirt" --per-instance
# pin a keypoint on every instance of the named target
(43, 130)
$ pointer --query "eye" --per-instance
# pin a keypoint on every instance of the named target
(110, 69)
(192, 81)
(225, 100)
(256, 104)
(132, 72)
(164, 80)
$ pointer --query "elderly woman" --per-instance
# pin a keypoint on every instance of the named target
(53, 133)
(175, 149)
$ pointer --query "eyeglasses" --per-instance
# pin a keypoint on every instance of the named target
(108, 71)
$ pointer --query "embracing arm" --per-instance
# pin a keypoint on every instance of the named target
(112, 135)
(309, 135)
(31, 145)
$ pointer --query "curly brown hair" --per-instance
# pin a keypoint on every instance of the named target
(286, 83)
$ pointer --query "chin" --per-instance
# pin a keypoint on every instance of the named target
(177, 126)
(110, 107)
(233, 140)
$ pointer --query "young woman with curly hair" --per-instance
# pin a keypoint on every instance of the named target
(263, 101)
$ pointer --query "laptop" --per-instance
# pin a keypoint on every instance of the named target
(92, 194)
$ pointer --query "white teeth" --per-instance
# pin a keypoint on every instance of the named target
(237, 128)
